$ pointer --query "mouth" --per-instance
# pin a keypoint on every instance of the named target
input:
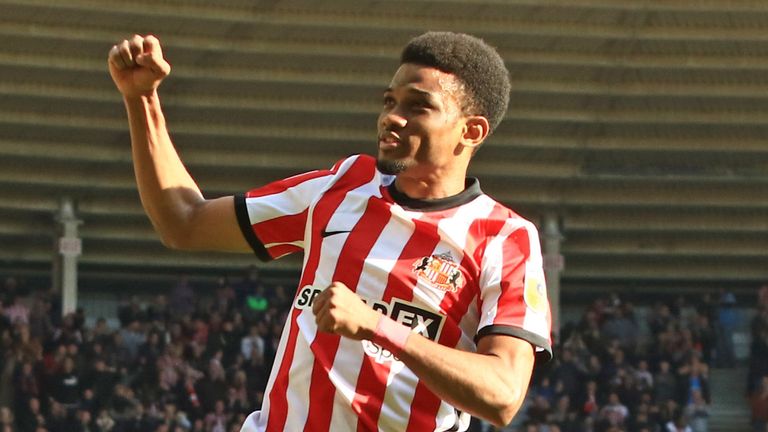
(388, 140)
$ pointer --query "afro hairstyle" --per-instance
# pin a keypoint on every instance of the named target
(476, 64)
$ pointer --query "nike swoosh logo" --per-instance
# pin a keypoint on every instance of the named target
(325, 233)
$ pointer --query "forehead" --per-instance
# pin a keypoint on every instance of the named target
(427, 79)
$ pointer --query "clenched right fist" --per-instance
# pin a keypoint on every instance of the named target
(137, 65)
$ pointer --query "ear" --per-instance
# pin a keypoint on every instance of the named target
(476, 130)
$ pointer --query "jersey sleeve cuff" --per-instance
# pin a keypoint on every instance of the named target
(543, 350)
(241, 210)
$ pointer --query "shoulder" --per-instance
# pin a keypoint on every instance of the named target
(356, 170)
(504, 222)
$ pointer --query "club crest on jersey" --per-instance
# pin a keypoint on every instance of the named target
(439, 271)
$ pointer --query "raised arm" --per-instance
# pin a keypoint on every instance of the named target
(183, 218)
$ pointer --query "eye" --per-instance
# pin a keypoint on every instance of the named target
(419, 105)
(388, 101)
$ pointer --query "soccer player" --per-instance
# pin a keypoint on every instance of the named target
(421, 299)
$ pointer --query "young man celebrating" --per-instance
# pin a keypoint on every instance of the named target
(421, 300)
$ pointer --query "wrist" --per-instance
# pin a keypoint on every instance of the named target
(391, 335)
(140, 97)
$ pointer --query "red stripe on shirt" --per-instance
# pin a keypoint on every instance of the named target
(278, 412)
(349, 267)
(277, 397)
(511, 307)
(281, 230)
(282, 185)
(425, 404)
(491, 228)
(371, 384)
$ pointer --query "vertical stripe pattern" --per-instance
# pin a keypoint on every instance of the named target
(448, 271)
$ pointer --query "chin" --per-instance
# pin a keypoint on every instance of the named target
(391, 167)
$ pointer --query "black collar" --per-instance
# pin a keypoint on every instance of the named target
(470, 192)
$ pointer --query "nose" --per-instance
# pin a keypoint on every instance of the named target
(392, 120)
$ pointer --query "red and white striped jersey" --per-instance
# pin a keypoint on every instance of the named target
(452, 269)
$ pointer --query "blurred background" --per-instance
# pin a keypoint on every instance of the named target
(635, 140)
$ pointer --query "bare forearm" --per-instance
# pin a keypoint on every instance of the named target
(181, 215)
(484, 385)
(490, 384)
(168, 193)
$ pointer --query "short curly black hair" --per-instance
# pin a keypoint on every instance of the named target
(475, 63)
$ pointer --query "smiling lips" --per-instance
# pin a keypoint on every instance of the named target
(388, 140)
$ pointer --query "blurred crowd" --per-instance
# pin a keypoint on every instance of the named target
(614, 373)
(187, 362)
(182, 362)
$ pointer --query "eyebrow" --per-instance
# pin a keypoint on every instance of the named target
(412, 90)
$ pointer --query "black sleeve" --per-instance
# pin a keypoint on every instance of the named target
(245, 226)
(542, 356)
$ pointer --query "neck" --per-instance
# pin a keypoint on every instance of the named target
(436, 185)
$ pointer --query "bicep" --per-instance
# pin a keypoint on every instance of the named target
(516, 357)
(214, 227)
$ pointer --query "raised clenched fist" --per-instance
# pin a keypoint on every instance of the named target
(137, 65)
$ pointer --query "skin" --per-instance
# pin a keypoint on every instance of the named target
(423, 135)
(431, 139)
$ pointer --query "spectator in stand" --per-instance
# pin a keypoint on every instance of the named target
(253, 341)
(148, 354)
(125, 407)
(762, 296)
(26, 385)
(58, 420)
(66, 385)
(697, 411)
(643, 376)
(100, 333)
(758, 402)
(6, 418)
(614, 412)
(133, 336)
(704, 336)
(182, 301)
(590, 406)
(569, 372)
(70, 331)
(693, 376)
(665, 383)
(621, 326)
(15, 310)
(678, 424)
(539, 410)
(217, 420)
(40, 324)
(31, 418)
(660, 318)
(101, 381)
(27, 348)
(104, 423)
(225, 296)
(83, 421)
(248, 285)
(758, 364)
(212, 387)
(727, 322)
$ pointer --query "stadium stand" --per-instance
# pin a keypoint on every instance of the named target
(640, 123)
